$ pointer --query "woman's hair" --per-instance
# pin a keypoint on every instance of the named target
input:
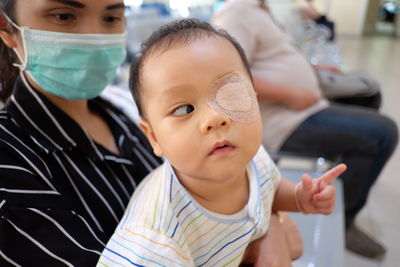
(8, 73)
(179, 32)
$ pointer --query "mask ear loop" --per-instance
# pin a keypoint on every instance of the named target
(21, 30)
(7, 18)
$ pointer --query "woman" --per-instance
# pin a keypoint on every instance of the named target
(68, 165)
(69, 161)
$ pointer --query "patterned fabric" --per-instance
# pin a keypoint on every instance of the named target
(165, 226)
(62, 194)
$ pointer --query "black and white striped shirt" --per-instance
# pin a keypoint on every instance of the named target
(61, 194)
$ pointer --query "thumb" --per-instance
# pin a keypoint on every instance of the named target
(307, 182)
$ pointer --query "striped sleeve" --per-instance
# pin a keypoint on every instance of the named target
(267, 168)
(139, 246)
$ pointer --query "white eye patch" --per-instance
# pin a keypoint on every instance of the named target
(234, 96)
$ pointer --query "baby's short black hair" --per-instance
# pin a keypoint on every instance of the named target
(179, 32)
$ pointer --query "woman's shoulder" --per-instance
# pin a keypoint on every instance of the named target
(18, 153)
(10, 131)
(123, 111)
(122, 101)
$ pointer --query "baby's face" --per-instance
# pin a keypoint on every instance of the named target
(201, 109)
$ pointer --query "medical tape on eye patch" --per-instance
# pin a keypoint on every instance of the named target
(234, 96)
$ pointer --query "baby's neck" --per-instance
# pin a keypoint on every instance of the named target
(226, 197)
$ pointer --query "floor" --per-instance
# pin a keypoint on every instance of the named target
(380, 57)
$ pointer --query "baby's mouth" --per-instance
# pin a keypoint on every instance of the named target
(220, 148)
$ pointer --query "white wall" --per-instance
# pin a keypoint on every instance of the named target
(349, 16)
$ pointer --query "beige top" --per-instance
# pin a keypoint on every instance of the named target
(272, 57)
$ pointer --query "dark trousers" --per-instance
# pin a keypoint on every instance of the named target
(361, 137)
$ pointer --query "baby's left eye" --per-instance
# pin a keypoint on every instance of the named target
(183, 110)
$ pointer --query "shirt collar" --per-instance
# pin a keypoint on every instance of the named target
(52, 130)
(253, 206)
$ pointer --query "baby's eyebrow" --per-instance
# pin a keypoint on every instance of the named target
(176, 89)
(172, 93)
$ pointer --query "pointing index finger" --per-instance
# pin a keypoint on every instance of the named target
(333, 173)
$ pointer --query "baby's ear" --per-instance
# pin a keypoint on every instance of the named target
(148, 131)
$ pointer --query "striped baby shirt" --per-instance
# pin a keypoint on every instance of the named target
(165, 226)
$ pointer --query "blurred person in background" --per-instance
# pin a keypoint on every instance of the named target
(309, 12)
(298, 119)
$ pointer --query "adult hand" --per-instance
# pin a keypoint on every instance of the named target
(300, 99)
(279, 247)
(318, 195)
(331, 68)
(292, 235)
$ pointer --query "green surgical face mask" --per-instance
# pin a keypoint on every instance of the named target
(71, 66)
